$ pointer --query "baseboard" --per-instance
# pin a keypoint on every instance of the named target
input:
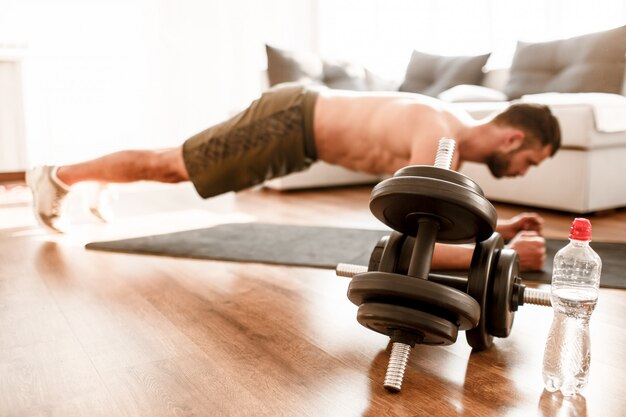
(18, 176)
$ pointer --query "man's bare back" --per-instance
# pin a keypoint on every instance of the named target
(380, 133)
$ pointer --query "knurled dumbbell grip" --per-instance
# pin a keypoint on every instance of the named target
(349, 270)
(531, 295)
(537, 297)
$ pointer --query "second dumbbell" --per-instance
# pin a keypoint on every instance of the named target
(493, 281)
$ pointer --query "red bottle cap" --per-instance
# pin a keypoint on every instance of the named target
(581, 229)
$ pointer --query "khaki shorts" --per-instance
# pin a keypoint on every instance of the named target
(271, 138)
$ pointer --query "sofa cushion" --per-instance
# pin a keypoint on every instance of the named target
(431, 74)
(303, 66)
(465, 93)
(286, 66)
(587, 63)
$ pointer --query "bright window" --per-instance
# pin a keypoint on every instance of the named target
(382, 34)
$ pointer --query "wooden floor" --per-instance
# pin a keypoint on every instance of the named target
(86, 333)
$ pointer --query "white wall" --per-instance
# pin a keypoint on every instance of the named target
(12, 143)
(103, 75)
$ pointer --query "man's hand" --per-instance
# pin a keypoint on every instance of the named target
(524, 221)
(531, 248)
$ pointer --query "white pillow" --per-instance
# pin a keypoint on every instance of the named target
(377, 83)
(466, 92)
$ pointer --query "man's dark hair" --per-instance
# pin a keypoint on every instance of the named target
(536, 121)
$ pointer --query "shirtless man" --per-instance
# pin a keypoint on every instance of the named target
(291, 126)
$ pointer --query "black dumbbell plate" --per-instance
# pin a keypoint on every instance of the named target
(415, 293)
(388, 319)
(463, 214)
(479, 287)
(502, 313)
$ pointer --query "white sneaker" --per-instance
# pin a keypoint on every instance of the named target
(48, 196)
(100, 202)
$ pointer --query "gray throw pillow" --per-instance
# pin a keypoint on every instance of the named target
(587, 63)
(292, 66)
(307, 67)
(431, 74)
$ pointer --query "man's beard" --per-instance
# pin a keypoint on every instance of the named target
(498, 164)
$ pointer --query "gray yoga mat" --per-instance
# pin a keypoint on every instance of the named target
(319, 247)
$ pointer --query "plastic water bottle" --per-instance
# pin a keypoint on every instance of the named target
(574, 294)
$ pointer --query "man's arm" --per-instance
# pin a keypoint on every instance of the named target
(530, 247)
(508, 228)
(452, 257)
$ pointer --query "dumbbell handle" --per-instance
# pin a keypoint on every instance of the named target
(531, 295)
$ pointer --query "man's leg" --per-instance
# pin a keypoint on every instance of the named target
(50, 185)
(165, 165)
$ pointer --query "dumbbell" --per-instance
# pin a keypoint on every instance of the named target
(428, 204)
(493, 280)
